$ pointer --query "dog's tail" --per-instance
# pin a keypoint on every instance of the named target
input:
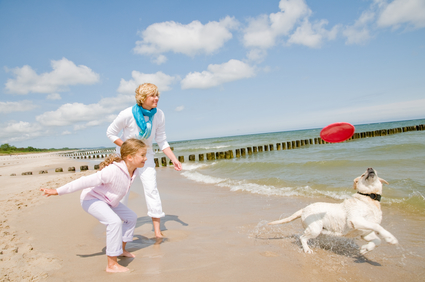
(288, 219)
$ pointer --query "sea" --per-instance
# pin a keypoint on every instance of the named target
(315, 171)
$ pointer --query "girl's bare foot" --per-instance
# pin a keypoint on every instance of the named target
(116, 268)
(127, 254)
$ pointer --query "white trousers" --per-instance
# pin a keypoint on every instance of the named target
(153, 201)
(120, 223)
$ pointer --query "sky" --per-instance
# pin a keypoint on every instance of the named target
(223, 68)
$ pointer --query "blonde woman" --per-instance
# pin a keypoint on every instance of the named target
(145, 121)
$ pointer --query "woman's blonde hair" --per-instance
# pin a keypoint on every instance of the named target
(129, 147)
(144, 90)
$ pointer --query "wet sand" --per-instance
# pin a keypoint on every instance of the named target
(212, 234)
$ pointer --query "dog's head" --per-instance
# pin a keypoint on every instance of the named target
(369, 182)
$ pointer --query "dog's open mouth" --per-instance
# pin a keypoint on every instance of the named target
(370, 173)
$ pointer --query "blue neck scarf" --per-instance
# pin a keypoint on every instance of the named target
(139, 115)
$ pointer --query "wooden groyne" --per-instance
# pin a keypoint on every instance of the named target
(287, 145)
(230, 154)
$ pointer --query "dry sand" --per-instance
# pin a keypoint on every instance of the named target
(212, 234)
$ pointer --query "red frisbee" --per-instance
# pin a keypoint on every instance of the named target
(337, 132)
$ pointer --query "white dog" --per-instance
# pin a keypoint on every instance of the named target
(358, 216)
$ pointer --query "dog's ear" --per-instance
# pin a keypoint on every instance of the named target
(356, 180)
(383, 180)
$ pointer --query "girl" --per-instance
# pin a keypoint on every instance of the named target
(145, 121)
(102, 196)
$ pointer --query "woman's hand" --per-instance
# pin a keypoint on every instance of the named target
(49, 192)
(177, 165)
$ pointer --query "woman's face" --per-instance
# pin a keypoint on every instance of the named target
(150, 102)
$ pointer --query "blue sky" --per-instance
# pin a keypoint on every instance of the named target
(223, 67)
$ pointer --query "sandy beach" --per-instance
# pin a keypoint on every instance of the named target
(212, 234)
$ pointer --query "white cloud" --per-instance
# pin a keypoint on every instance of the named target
(312, 35)
(17, 131)
(179, 108)
(66, 132)
(190, 39)
(256, 55)
(263, 31)
(160, 79)
(218, 74)
(53, 96)
(359, 33)
(160, 59)
(64, 73)
(10, 107)
(400, 12)
(83, 116)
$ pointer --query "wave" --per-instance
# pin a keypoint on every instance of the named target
(269, 190)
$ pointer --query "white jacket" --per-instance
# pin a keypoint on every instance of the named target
(126, 123)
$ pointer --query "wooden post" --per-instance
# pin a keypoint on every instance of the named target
(249, 149)
(289, 145)
(164, 161)
(254, 149)
(84, 167)
(298, 143)
(201, 157)
(260, 148)
(222, 155)
(278, 146)
(266, 148)
(191, 158)
(227, 154)
(271, 147)
(283, 145)
(302, 143)
(71, 168)
(243, 152)
(156, 162)
(238, 153)
(181, 159)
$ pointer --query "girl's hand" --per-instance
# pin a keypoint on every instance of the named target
(49, 192)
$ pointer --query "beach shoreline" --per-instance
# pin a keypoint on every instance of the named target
(212, 234)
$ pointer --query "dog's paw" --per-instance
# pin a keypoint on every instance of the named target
(308, 251)
(392, 240)
(364, 250)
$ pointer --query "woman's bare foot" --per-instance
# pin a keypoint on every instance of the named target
(127, 254)
(116, 268)
(159, 235)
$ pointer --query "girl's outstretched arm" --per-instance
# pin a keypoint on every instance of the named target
(49, 192)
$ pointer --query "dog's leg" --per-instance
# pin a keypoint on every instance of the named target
(373, 240)
(312, 231)
(360, 223)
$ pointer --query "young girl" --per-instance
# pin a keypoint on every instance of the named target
(102, 196)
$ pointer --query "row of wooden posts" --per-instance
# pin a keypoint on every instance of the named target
(289, 145)
(59, 169)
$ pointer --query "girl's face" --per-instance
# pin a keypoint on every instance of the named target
(138, 159)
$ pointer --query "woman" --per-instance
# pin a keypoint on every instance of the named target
(144, 121)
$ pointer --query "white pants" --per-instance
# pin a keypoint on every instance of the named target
(153, 201)
(120, 223)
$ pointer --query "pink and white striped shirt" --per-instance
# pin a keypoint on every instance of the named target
(110, 184)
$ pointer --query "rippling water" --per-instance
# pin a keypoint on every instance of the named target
(316, 170)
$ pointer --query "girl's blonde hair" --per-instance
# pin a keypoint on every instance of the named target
(129, 147)
(144, 90)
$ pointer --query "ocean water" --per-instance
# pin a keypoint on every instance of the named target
(315, 171)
